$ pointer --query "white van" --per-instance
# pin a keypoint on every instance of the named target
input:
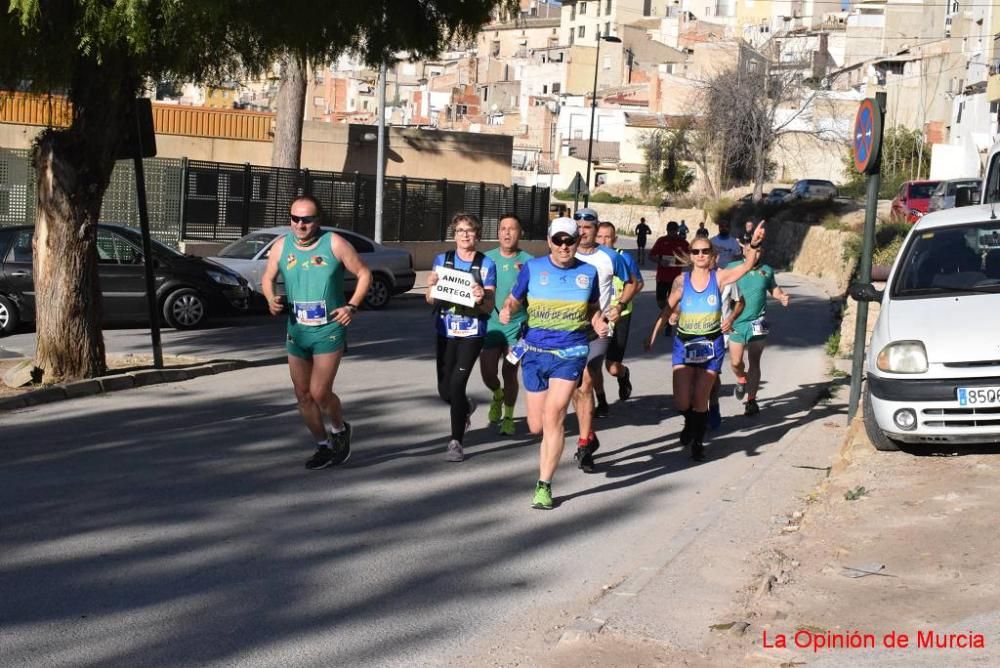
(933, 368)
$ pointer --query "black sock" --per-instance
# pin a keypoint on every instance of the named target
(700, 424)
(602, 398)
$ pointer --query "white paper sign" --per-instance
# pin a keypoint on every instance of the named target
(454, 286)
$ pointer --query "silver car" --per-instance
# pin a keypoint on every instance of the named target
(944, 194)
(392, 268)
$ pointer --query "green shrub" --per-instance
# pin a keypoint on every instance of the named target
(833, 343)
(603, 197)
(831, 221)
(886, 255)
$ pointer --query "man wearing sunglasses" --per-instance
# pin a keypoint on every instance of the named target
(312, 263)
(562, 296)
(609, 265)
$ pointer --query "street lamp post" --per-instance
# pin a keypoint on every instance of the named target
(380, 166)
(593, 106)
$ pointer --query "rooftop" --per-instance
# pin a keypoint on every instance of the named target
(604, 151)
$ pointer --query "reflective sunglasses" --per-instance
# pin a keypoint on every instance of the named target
(308, 220)
(563, 241)
(589, 217)
(701, 251)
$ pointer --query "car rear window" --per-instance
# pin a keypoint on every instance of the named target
(20, 249)
(922, 190)
(247, 247)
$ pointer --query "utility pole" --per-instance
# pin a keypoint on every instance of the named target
(380, 167)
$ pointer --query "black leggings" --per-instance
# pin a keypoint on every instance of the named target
(455, 360)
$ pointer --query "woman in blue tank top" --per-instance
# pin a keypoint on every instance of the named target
(699, 349)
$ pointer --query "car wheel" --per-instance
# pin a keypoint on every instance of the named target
(379, 292)
(9, 318)
(185, 309)
(876, 435)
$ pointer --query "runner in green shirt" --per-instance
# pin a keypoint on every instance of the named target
(750, 327)
(499, 337)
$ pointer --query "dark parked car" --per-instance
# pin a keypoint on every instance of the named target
(811, 189)
(188, 289)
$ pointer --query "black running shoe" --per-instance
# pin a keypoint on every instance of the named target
(322, 458)
(697, 450)
(601, 410)
(341, 445)
(752, 408)
(624, 385)
(585, 459)
(740, 391)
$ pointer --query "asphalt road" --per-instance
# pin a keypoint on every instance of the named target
(175, 525)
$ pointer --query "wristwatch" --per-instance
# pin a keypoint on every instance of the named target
(756, 246)
(354, 309)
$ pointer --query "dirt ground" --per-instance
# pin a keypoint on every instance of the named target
(116, 364)
(900, 543)
(890, 544)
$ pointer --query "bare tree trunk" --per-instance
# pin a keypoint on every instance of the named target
(287, 148)
(73, 167)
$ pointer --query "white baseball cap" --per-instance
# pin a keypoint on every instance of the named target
(563, 225)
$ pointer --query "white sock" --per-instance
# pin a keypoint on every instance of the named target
(336, 430)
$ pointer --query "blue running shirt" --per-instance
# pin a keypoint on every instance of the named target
(701, 312)
(558, 301)
(466, 319)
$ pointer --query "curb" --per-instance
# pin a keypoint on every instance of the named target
(116, 382)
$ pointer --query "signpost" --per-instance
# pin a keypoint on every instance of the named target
(579, 189)
(867, 144)
(454, 286)
(140, 142)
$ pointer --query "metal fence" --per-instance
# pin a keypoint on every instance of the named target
(163, 194)
(211, 201)
(225, 201)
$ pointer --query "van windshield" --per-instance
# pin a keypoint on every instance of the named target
(949, 260)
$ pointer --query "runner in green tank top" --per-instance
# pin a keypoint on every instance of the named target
(500, 338)
(312, 265)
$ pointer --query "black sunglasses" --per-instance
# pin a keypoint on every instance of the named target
(309, 220)
(564, 241)
(589, 217)
(701, 251)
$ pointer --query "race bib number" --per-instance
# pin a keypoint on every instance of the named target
(698, 352)
(311, 314)
(759, 327)
(460, 326)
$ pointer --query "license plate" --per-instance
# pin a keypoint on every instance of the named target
(979, 396)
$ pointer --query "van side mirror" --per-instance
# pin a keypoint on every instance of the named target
(966, 196)
(865, 292)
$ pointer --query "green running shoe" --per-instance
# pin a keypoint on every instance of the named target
(496, 406)
(507, 426)
(543, 497)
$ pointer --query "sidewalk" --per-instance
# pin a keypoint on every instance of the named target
(900, 543)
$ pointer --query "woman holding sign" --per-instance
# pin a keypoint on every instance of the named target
(461, 286)
(699, 348)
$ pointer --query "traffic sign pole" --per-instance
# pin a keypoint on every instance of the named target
(867, 158)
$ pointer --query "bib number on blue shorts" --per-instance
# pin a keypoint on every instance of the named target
(698, 352)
